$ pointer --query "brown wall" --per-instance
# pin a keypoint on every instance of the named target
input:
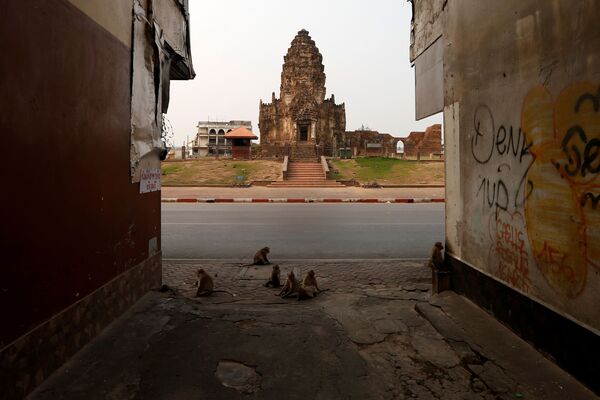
(240, 152)
(71, 219)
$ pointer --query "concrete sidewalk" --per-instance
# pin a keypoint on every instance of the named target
(375, 334)
(335, 194)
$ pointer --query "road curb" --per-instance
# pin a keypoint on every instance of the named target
(302, 200)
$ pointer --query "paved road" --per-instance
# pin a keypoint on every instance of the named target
(300, 231)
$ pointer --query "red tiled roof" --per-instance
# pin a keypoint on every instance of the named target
(240, 133)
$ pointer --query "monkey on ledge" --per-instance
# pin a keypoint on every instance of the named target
(436, 257)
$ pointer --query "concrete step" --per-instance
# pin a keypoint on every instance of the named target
(308, 179)
(306, 174)
(317, 174)
(294, 185)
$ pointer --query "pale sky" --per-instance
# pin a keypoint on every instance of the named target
(238, 48)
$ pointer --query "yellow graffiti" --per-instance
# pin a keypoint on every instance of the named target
(563, 222)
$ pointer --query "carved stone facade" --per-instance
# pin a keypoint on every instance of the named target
(365, 143)
(302, 115)
(424, 143)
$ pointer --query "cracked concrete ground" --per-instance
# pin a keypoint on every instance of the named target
(376, 333)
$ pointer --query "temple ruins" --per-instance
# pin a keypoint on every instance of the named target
(301, 122)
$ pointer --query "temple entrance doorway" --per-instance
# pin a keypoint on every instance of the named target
(303, 132)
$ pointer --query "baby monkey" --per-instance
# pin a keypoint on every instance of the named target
(436, 258)
(206, 286)
(274, 281)
(260, 258)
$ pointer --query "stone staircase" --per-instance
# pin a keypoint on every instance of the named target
(303, 152)
(306, 174)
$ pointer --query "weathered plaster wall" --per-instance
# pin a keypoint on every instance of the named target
(427, 24)
(522, 90)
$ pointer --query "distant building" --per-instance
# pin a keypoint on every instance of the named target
(426, 143)
(241, 143)
(210, 138)
(370, 143)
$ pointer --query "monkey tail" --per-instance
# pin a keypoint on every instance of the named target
(246, 265)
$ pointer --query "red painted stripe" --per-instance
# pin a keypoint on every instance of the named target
(223, 200)
(442, 200)
(368, 200)
(332, 200)
(405, 200)
(296, 201)
(187, 200)
(260, 200)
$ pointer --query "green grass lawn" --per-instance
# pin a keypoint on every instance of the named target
(388, 171)
(225, 171)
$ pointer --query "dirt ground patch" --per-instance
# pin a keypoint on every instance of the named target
(226, 172)
(389, 171)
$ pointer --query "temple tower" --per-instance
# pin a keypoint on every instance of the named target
(302, 115)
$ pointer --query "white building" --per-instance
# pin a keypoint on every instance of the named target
(210, 138)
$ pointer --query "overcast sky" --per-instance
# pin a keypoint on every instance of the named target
(238, 48)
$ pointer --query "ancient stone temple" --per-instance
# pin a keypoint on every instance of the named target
(301, 118)
(427, 144)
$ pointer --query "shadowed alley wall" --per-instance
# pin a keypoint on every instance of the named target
(522, 139)
(80, 242)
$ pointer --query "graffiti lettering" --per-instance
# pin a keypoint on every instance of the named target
(554, 260)
(494, 194)
(594, 98)
(576, 163)
(483, 122)
(505, 140)
(593, 199)
(509, 254)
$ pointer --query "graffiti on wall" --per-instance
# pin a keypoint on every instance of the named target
(509, 251)
(506, 148)
(562, 222)
(544, 193)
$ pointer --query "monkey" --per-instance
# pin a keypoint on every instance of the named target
(436, 258)
(275, 280)
(310, 287)
(260, 258)
(306, 292)
(291, 286)
(206, 285)
(311, 280)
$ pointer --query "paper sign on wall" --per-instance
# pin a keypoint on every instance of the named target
(150, 180)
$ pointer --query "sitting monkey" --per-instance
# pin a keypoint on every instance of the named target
(274, 281)
(436, 258)
(311, 280)
(260, 258)
(206, 286)
(291, 286)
